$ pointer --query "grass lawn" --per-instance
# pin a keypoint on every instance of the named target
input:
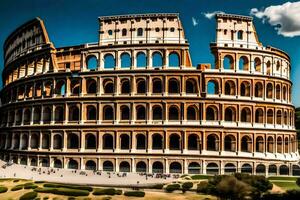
(287, 185)
(286, 178)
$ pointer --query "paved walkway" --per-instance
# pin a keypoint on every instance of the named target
(79, 176)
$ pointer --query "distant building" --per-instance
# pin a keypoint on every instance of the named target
(134, 102)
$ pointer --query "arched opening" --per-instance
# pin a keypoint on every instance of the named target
(73, 164)
(125, 113)
(38, 89)
(212, 169)
(240, 35)
(75, 87)
(33, 162)
(59, 114)
(174, 142)
(259, 116)
(278, 66)
(246, 144)
(260, 169)
(108, 113)
(278, 117)
(284, 92)
(125, 141)
(157, 113)
(246, 115)
(258, 89)
(245, 89)
(191, 113)
(45, 162)
(257, 64)
(283, 170)
(57, 163)
(285, 118)
(36, 115)
(73, 113)
(108, 86)
(108, 141)
(140, 32)
(229, 88)
(269, 91)
(193, 142)
(73, 141)
(296, 170)
(272, 170)
(259, 144)
(91, 113)
(157, 141)
(173, 86)
(270, 144)
(45, 141)
(141, 86)
(57, 141)
(175, 167)
(90, 141)
(191, 86)
(270, 116)
(194, 168)
(268, 68)
(286, 145)
(60, 88)
(174, 59)
(246, 168)
(125, 86)
(125, 60)
(16, 142)
(157, 59)
(19, 116)
(229, 143)
(212, 142)
(108, 166)
(279, 145)
(141, 59)
(212, 87)
(156, 86)
(140, 141)
(244, 63)
(91, 86)
(228, 62)
(211, 113)
(24, 141)
(124, 32)
(27, 116)
(230, 114)
(92, 63)
(90, 165)
(109, 61)
(141, 167)
(34, 142)
(157, 167)
(173, 113)
(278, 91)
(47, 115)
(230, 168)
(140, 113)
(124, 166)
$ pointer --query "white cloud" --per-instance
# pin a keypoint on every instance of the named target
(285, 18)
(210, 15)
(194, 21)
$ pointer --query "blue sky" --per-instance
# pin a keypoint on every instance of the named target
(71, 22)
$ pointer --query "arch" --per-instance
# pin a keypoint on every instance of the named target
(109, 61)
(33, 162)
(193, 142)
(73, 141)
(107, 141)
(27, 116)
(125, 60)
(91, 86)
(140, 141)
(141, 166)
(141, 59)
(286, 145)
(245, 89)
(90, 141)
(19, 116)
(246, 115)
(211, 113)
(259, 144)
(57, 141)
(295, 170)
(124, 32)
(57, 163)
(285, 118)
(230, 88)
(140, 32)
(156, 86)
(240, 35)
(258, 89)
(157, 113)
(47, 113)
(259, 115)
(212, 142)
(212, 87)
(283, 170)
(278, 65)
(45, 162)
(279, 144)
(157, 59)
(279, 117)
(91, 113)
(73, 113)
(229, 143)
(36, 115)
(270, 144)
(124, 141)
(75, 87)
(246, 168)
(141, 86)
(24, 141)
(45, 141)
(157, 167)
(90, 165)
(108, 166)
(230, 114)
(243, 63)
(284, 93)
(230, 168)
(272, 170)
(194, 168)
(174, 86)
(92, 62)
(59, 114)
(268, 68)
(124, 166)
(108, 86)
(174, 60)
(174, 142)
(16, 141)
(125, 86)
(278, 91)
(257, 64)
(175, 167)
(269, 90)
(270, 116)
(125, 112)
(260, 169)
(60, 87)
(108, 113)
(72, 164)
(191, 86)
(141, 113)
(174, 113)
(34, 142)
(191, 113)
(157, 141)
(212, 168)
(228, 62)
(246, 144)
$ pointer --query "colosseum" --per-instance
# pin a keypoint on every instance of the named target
(134, 102)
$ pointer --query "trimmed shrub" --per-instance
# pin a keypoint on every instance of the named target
(29, 196)
(104, 191)
(134, 193)
(17, 187)
(3, 189)
(63, 191)
(17, 180)
(187, 186)
(119, 192)
(37, 182)
(80, 187)
(30, 186)
(157, 186)
(172, 187)
(44, 190)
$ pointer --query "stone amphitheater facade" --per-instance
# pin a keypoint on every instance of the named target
(133, 101)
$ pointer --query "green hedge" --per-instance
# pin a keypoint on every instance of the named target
(119, 192)
(172, 187)
(80, 187)
(30, 186)
(29, 196)
(63, 191)
(105, 191)
(157, 186)
(187, 186)
(134, 193)
(17, 187)
(3, 189)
